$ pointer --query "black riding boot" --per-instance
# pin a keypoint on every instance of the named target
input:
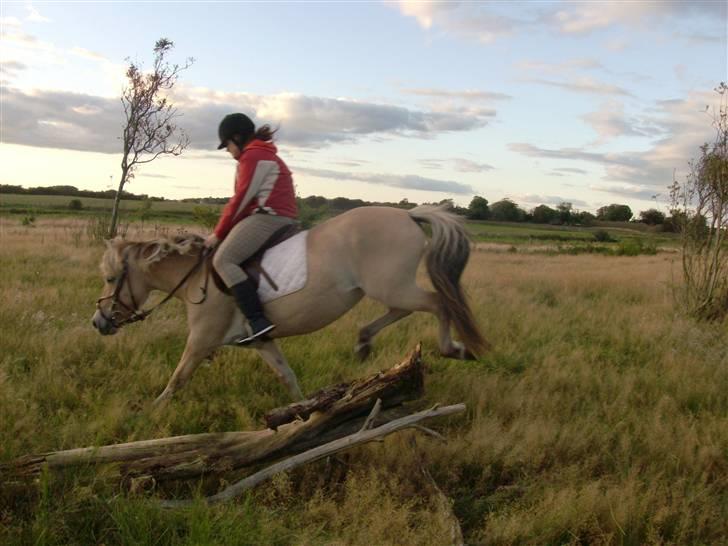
(246, 296)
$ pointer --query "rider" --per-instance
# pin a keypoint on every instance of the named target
(264, 202)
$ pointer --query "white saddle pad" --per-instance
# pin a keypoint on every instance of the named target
(287, 266)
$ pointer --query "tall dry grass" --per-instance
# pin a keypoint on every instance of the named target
(601, 416)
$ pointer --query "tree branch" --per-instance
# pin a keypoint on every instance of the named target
(361, 437)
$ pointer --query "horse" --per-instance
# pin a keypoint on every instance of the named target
(372, 251)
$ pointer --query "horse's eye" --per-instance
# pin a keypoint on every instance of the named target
(110, 279)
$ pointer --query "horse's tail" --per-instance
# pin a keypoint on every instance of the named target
(446, 259)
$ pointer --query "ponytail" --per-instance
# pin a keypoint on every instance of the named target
(265, 133)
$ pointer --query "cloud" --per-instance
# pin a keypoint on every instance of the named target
(700, 38)
(18, 36)
(631, 192)
(34, 15)
(309, 121)
(610, 121)
(349, 162)
(583, 85)
(570, 170)
(534, 199)
(487, 22)
(468, 166)
(584, 17)
(151, 175)
(9, 22)
(35, 118)
(11, 68)
(410, 182)
(472, 21)
(458, 164)
(569, 66)
(468, 95)
(61, 120)
(683, 126)
(81, 52)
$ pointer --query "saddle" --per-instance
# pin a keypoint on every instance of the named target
(252, 266)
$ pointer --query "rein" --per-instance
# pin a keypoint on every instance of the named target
(137, 315)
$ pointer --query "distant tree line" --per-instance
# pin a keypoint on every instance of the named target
(564, 213)
(316, 207)
(72, 191)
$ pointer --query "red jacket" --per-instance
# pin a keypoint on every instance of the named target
(264, 182)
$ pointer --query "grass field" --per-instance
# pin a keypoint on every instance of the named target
(600, 417)
(58, 205)
(504, 233)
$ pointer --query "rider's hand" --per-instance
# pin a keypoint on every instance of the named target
(211, 241)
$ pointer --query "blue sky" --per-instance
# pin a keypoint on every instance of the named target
(587, 102)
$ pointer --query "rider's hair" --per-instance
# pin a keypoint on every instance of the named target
(264, 132)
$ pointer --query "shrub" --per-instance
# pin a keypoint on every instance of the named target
(635, 247)
(700, 206)
(602, 236)
(97, 228)
(206, 216)
(75, 204)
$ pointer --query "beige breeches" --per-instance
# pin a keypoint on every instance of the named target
(244, 240)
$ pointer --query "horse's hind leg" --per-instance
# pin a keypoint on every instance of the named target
(272, 355)
(413, 298)
(364, 346)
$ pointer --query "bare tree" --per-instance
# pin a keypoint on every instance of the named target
(150, 129)
(700, 206)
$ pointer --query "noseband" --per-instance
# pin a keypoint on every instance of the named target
(136, 314)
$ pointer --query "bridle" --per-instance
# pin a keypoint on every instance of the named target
(136, 314)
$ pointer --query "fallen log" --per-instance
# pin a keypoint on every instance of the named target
(330, 415)
(362, 436)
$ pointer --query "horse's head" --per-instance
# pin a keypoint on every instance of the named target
(125, 267)
(125, 288)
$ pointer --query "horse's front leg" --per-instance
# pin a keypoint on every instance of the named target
(273, 356)
(196, 350)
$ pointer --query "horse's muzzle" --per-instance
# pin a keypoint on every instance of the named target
(104, 326)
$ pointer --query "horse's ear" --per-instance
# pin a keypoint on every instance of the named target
(151, 252)
(112, 243)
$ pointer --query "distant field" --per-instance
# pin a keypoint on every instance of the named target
(513, 233)
(59, 205)
(537, 236)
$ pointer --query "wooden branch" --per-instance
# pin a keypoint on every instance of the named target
(328, 418)
(372, 416)
(363, 436)
(402, 382)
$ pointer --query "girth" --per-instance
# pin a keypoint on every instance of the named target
(252, 266)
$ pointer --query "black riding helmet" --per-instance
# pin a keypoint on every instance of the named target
(235, 124)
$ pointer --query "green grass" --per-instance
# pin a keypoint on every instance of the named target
(540, 234)
(598, 418)
(58, 205)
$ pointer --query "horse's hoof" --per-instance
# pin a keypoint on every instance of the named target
(161, 400)
(467, 355)
(362, 351)
(459, 352)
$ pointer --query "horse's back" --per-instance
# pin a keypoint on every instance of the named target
(348, 256)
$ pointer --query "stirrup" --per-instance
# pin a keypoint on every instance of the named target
(259, 335)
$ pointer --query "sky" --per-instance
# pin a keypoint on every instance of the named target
(542, 102)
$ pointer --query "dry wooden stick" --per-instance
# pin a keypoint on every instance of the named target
(319, 452)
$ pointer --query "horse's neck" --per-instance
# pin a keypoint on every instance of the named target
(166, 274)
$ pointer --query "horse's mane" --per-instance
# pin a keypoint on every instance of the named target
(149, 252)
